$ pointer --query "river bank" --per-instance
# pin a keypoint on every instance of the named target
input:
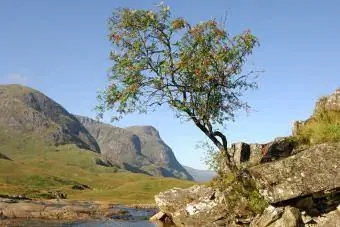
(73, 213)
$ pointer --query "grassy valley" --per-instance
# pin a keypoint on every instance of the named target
(37, 169)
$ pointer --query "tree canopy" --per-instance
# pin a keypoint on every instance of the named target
(197, 70)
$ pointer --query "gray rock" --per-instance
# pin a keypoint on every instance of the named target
(196, 206)
(289, 218)
(256, 153)
(281, 147)
(331, 219)
(278, 217)
(270, 215)
(241, 152)
(330, 102)
(315, 169)
(159, 216)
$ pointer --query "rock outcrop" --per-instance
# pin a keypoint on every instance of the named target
(278, 217)
(313, 170)
(25, 111)
(299, 180)
(330, 103)
(137, 149)
(246, 155)
(195, 206)
(280, 148)
(302, 189)
(326, 103)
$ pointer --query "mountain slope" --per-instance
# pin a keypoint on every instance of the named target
(28, 115)
(38, 170)
(201, 175)
(138, 149)
(44, 149)
(26, 111)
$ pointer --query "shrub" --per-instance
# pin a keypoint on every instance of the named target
(241, 195)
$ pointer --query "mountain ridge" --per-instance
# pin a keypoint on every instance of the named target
(136, 148)
(200, 175)
(24, 110)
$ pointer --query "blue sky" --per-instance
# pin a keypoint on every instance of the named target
(61, 48)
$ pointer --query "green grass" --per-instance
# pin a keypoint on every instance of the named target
(38, 168)
(324, 126)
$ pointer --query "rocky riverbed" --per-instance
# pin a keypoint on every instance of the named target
(15, 212)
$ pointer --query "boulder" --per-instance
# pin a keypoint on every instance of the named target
(312, 170)
(270, 215)
(331, 219)
(198, 205)
(158, 217)
(278, 217)
(281, 147)
(161, 219)
(241, 152)
(256, 153)
(245, 154)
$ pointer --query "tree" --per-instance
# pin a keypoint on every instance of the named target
(194, 69)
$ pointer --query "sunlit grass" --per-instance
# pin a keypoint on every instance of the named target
(37, 168)
(323, 127)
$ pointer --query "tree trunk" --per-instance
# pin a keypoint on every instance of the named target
(222, 146)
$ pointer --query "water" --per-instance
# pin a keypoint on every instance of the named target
(132, 218)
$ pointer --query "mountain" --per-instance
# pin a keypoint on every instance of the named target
(138, 149)
(25, 111)
(29, 115)
(201, 175)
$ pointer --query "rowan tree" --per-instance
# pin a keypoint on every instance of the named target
(196, 70)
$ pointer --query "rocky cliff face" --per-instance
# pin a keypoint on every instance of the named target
(302, 189)
(137, 149)
(330, 102)
(315, 169)
(26, 111)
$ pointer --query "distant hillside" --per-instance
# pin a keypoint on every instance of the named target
(138, 149)
(201, 175)
(38, 170)
(44, 149)
(25, 111)
(28, 115)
